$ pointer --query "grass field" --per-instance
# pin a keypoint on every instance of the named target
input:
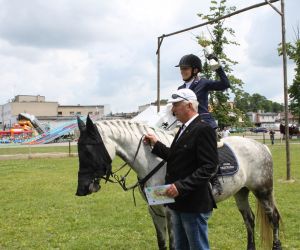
(14, 149)
(40, 211)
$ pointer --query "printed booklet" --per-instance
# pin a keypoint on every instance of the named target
(156, 195)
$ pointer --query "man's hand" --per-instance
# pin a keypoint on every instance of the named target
(172, 191)
(150, 139)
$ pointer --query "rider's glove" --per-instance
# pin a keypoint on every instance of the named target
(215, 64)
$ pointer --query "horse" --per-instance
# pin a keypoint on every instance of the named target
(293, 131)
(101, 141)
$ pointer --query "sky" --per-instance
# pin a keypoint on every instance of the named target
(92, 52)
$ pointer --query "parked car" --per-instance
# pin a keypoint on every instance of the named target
(259, 130)
(237, 130)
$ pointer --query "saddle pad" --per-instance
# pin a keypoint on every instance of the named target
(228, 164)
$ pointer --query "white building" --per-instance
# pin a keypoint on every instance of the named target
(44, 110)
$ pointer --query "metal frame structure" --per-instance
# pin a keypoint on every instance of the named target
(284, 57)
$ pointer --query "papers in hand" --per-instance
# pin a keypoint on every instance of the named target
(156, 195)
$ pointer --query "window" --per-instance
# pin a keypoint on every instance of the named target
(71, 112)
(78, 113)
(59, 113)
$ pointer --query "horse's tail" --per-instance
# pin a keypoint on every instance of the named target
(265, 223)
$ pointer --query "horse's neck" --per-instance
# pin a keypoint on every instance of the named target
(127, 137)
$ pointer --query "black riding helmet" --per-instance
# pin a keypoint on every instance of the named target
(190, 61)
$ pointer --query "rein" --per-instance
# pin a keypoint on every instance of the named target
(121, 180)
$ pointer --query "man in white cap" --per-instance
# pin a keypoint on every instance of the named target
(191, 161)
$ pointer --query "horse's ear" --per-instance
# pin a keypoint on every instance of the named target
(89, 124)
(81, 124)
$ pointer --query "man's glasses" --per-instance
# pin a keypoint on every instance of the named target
(174, 96)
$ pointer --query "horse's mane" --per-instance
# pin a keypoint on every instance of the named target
(132, 129)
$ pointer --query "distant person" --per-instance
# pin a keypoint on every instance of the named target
(272, 136)
(190, 67)
(225, 132)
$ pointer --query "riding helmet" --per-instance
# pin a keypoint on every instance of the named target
(190, 61)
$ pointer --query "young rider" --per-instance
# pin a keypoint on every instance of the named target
(190, 67)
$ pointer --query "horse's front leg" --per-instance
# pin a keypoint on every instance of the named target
(158, 215)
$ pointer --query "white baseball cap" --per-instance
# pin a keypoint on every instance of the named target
(182, 95)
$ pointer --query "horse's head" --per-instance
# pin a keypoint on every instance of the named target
(94, 160)
(167, 119)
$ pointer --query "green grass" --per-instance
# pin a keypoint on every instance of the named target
(226, 227)
(40, 211)
(13, 149)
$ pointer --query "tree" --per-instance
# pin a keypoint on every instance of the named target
(219, 101)
(253, 103)
(293, 52)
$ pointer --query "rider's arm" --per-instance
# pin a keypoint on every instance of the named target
(221, 84)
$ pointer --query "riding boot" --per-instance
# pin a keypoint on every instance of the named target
(217, 187)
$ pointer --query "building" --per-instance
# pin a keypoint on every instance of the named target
(46, 112)
(263, 118)
(269, 120)
(75, 110)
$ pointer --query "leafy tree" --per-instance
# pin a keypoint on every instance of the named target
(293, 52)
(220, 38)
(276, 107)
(253, 103)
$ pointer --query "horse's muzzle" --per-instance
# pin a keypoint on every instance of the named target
(85, 188)
(94, 186)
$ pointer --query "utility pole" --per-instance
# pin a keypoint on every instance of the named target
(286, 113)
(285, 88)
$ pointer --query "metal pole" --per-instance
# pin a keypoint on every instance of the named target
(221, 18)
(286, 110)
(158, 73)
(160, 39)
(69, 148)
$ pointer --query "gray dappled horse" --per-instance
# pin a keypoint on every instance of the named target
(100, 142)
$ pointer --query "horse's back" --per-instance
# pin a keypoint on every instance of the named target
(254, 160)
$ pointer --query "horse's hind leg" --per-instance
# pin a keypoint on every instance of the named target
(242, 202)
(266, 206)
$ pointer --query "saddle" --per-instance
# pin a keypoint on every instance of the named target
(228, 164)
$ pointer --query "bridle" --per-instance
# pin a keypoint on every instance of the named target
(121, 179)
